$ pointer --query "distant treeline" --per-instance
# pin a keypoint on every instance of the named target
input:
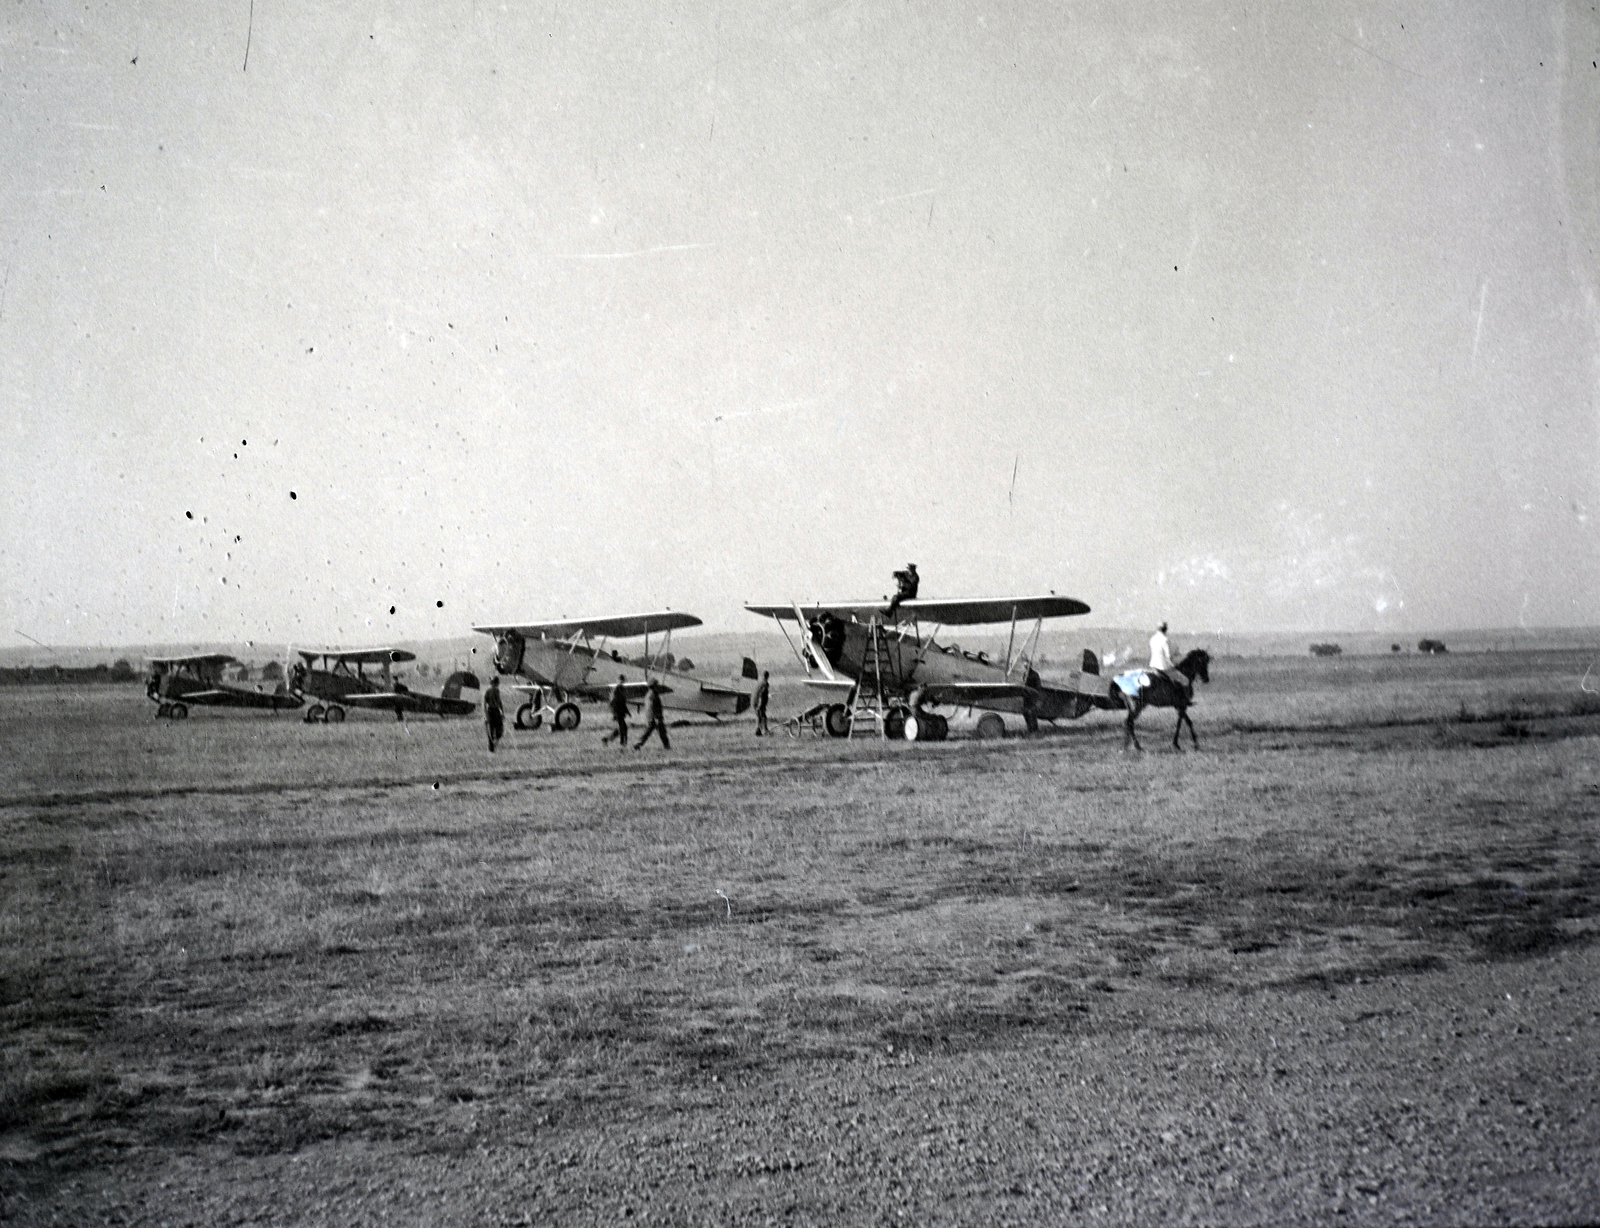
(57, 675)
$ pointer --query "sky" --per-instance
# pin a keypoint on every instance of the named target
(346, 323)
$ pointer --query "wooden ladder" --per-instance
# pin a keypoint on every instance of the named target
(870, 703)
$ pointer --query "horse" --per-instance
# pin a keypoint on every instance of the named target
(1156, 690)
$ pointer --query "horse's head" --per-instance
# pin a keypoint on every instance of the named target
(1196, 664)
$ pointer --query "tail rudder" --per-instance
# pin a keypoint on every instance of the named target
(457, 680)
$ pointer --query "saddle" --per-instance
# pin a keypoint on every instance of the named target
(1136, 680)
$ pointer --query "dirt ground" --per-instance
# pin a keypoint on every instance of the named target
(1336, 967)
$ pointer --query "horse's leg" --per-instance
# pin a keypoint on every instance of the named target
(1134, 708)
(1193, 736)
(1177, 729)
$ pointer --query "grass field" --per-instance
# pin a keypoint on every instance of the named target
(1338, 963)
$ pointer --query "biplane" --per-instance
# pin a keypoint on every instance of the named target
(887, 674)
(177, 682)
(336, 679)
(568, 659)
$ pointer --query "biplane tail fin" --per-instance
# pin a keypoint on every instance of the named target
(749, 670)
(1091, 661)
(457, 680)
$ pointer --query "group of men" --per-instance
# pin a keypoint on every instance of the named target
(619, 713)
(494, 714)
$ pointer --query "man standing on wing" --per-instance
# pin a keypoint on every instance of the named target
(619, 713)
(652, 708)
(494, 716)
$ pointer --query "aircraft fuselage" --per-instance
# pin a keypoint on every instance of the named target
(909, 662)
(579, 669)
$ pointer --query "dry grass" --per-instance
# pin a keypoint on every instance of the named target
(200, 941)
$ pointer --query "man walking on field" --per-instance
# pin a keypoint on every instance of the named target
(619, 713)
(494, 716)
(652, 709)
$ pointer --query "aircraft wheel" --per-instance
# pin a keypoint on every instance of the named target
(894, 724)
(567, 717)
(915, 729)
(528, 717)
(335, 715)
(837, 721)
(180, 712)
(315, 713)
(991, 725)
(938, 727)
(164, 710)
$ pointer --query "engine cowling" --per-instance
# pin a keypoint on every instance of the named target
(508, 650)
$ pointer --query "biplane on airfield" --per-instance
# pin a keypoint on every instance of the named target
(177, 682)
(568, 659)
(335, 679)
(890, 674)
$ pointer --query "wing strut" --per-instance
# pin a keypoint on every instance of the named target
(816, 653)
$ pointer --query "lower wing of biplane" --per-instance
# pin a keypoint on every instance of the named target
(402, 702)
(225, 696)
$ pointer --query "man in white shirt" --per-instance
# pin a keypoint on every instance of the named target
(1161, 651)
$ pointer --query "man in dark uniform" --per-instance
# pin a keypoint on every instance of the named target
(652, 708)
(619, 713)
(759, 700)
(905, 583)
(494, 716)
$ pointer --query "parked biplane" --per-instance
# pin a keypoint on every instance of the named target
(335, 679)
(563, 663)
(177, 682)
(887, 674)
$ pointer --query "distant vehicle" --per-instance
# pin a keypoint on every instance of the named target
(175, 683)
(563, 663)
(335, 679)
(887, 675)
(1432, 647)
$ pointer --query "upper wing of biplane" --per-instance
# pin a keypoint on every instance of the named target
(203, 658)
(615, 626)
(358, 656)
(948, 611)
